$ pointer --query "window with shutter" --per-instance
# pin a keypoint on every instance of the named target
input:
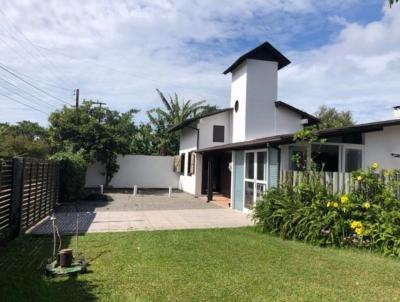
(191, 163)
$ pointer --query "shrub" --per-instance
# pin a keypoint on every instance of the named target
(73, 173)
(368, 217)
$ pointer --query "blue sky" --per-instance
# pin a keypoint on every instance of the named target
(344, 53)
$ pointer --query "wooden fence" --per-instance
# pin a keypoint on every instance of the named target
(6, 182)
(334, 182)
(29, 190)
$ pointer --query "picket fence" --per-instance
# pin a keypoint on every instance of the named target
(334, 182)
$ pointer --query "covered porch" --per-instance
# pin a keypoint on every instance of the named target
(236, 178)
(216, 177)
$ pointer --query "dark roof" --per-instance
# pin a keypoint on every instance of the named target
(288, 138)
(191, 120)
(264, 52)
(256, 143)
(366, 127)
(311, 118)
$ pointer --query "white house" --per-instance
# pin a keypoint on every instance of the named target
(237, 152)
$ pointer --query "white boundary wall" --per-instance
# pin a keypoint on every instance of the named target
(142, 170)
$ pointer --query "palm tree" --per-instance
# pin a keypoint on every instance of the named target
(174, 112)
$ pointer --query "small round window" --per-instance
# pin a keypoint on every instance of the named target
(236, 106)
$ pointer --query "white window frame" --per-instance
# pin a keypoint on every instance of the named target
(351, 147)
(342, 149)
(255, 181)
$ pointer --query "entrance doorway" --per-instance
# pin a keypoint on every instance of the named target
(220, 174)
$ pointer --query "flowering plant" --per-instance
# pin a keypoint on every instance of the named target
(367, 216)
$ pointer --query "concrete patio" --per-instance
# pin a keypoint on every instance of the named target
(147, 211)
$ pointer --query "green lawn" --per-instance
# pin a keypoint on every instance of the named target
(199, 265)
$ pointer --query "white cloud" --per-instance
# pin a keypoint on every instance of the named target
(359, 70)
(121, 51)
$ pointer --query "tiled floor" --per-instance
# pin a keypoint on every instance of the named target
(149, 212)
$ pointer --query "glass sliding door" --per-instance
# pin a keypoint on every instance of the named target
(255, 176)
(248, 195)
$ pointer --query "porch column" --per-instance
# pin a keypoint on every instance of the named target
(210, 166)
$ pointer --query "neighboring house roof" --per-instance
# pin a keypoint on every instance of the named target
(264, 52)
(363, 128)
(311, 118)
(193, 119)
(288, 138)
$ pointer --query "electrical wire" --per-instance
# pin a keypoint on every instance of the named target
(29, 41)
(24, 104)
(5, 68)
(41, 81)
(26, 92)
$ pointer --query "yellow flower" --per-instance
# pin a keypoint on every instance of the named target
(375, 166)
(335, 204)
(344, 199)
(366, 205)
(356, 224)
(359, 177)
(359, 231)
(328, 204)
(388, 172)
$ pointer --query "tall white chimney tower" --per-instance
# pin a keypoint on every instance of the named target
(254, 90)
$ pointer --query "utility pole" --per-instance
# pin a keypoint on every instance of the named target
(100, 104)
(76, 99)
(77, 105)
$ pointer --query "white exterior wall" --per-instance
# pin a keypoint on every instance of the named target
(206, 129)
(380, 145)
(286, 121)
(188, 142)
(255, 86)
(238, 93)
(95, 175)
(141, 170)
(262, 85)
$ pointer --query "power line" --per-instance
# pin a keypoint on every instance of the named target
(22, 103)
(2, 66)
(105, 66)
(30, 94)
(30, 42)
(41, 81)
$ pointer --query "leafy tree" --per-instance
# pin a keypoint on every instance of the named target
(28, 129)
(22, 145)
(174, 112)
(331, 118)
(101, 133)
(144, 141)
(72, 180)
(23, 139)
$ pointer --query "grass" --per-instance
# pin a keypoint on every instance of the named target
(199, 265)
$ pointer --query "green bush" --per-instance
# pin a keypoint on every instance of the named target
(368, 217)
(73, 173)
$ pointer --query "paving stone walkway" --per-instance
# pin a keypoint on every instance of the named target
(156, 212)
